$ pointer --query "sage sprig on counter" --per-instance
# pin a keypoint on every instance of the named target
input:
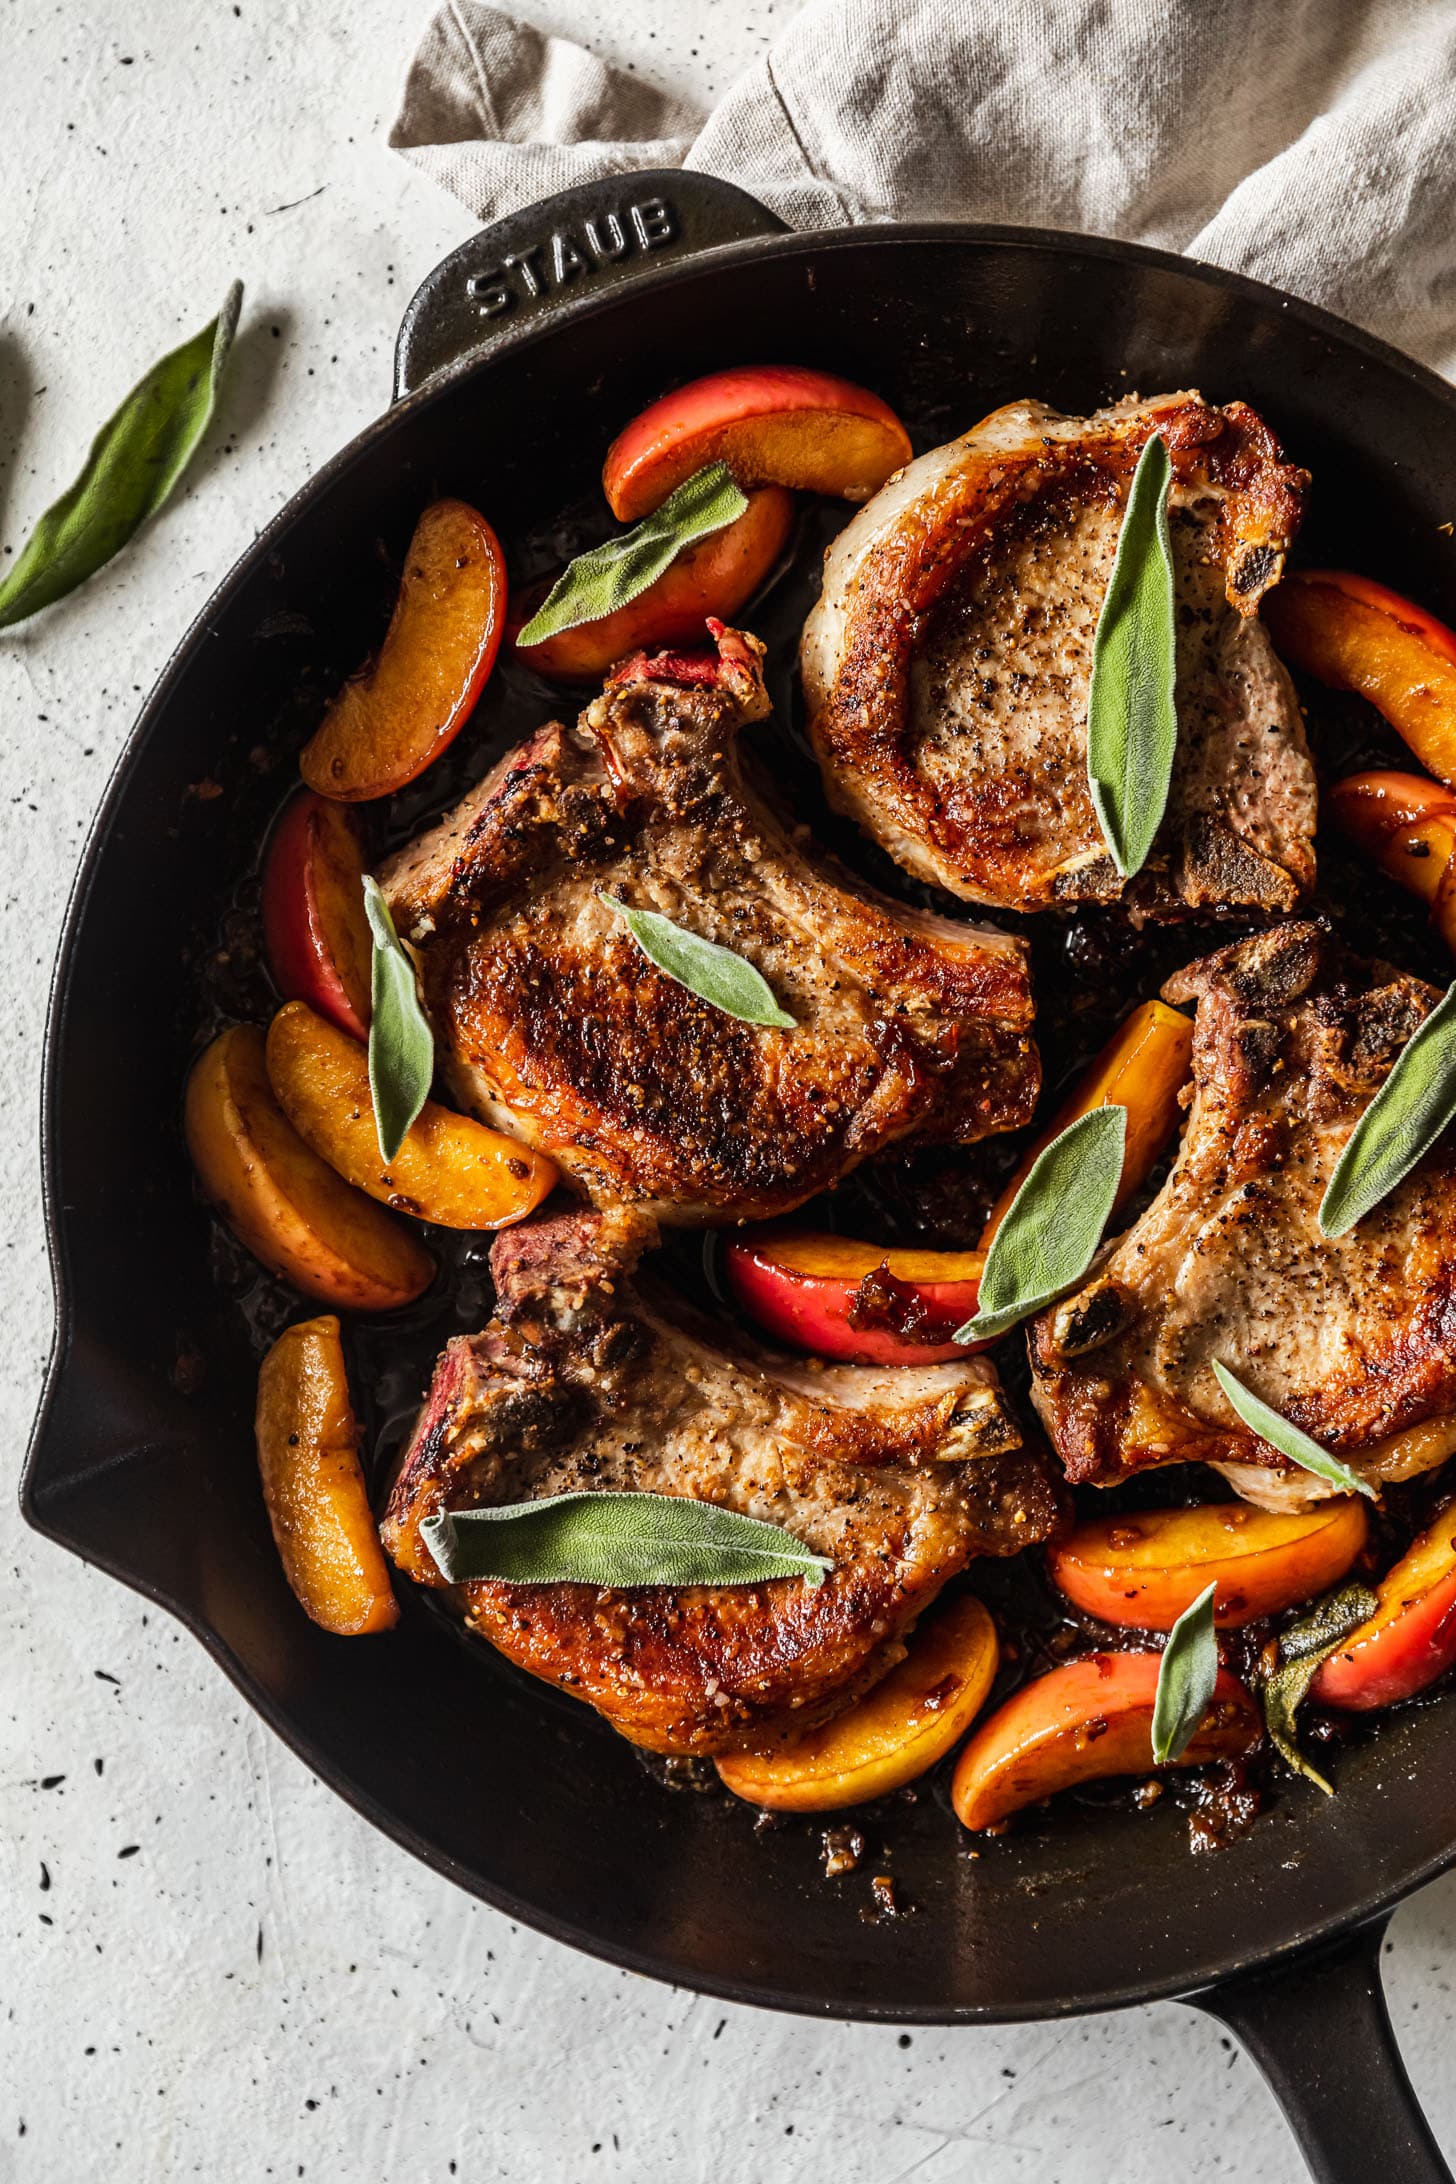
(1053, 1225)
(1290, 1441)
(595, 584)
(401, 1044)
(1187, 1674)
(1132, 723)
(1301, 1650)
(1414, 1105)
(715, 974)
(135, 461)
(616, 1541)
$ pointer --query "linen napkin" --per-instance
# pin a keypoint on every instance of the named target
(1312, 144)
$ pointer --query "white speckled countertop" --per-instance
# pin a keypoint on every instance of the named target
(208, 1966)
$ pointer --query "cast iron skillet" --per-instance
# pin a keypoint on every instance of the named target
(518, 358)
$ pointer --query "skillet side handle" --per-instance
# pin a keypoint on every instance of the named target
(1320, 2033)
(539, 264)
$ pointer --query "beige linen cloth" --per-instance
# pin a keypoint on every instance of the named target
(1311, 143)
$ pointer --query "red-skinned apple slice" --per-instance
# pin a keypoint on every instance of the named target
(1356, 635)
(809, 1289)
(1080, 1723)
(314, 927)
(408, 705)
(1411, 1638)
(1143, 1568)
(1408, 826)
(714, 578)
(771, 424)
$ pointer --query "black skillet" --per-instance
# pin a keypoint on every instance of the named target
(517, 360)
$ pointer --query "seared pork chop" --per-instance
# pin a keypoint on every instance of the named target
(554, 1025)
(947, 663)
(588, 1379)
(1353, 1338)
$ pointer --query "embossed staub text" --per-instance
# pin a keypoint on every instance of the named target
(573, 253)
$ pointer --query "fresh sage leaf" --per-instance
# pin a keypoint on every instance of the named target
(1132, 723)
(1328, 1623)
(1302, 1648)
(597, 583)
(135, 460)
(1186, 1677)
(1053, 1225)
(1288, 1439)
(616, 1540)
(401, 1044)
(1414, 1105)
(1284, 1694)
(715, 974)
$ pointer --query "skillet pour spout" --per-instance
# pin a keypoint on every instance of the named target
(518, 359)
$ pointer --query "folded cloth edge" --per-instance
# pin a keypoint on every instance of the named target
(1309, 148)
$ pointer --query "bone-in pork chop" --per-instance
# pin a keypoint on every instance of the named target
(554, 1025)
(948, 661)
(1353, 1338)
(590, 1379)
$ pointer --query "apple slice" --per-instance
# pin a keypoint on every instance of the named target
(1080, 1723)
(772, 424)
(1143, 1068)
(279, 1199)
(450, 1169)
(1405, 822)
(313, 1484)
(714, 578)
(408, 705)
(1355, 635)
(911, 1719)
(1411, 1638)
(839, 1298)
(1408, 826)
(314, 927)
(1145, 1568)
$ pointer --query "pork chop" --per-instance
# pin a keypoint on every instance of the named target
(554, 1025)
(948, 660)
(1353, 1338)
(587, 1378)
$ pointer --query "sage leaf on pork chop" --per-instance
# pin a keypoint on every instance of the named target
(1132, 722)
(1288, 1439)
(135, 461)
(1301, 1650)
(1187, 1674)
(714, 973)
(617, 1541)
(401, 1044)
(596, 584)
(1053, 1225)
(1414, 1105)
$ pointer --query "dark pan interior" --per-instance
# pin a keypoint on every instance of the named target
(145, 1462)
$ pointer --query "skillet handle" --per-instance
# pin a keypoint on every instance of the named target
(539, 264)
(1320, 2033)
